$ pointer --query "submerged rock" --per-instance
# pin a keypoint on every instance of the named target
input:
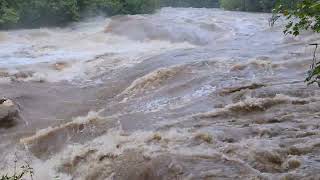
(8, 113)
(3, 73)
(23, 74)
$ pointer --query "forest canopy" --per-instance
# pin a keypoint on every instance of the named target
(33, 13)
(256, 5)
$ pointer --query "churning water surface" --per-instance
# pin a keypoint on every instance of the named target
(180, 94)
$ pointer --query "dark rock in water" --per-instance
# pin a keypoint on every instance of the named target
(3, 73)
(8, 113)
(23, 75)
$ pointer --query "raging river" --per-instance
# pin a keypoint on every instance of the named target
(184, 93)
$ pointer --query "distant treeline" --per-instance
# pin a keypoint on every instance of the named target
(35, 13)
(190, 3)
(255, 5)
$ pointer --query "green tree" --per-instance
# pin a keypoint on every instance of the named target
(93, 7)
(248, 5)
(8, 15)
(35, 13)
(138, 6)
(304, 15)
(190, 3)
(25, 170)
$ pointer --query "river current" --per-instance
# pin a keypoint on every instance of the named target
(183, 93)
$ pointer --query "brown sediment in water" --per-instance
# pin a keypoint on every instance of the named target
(251, 105)
(153, 80)
(3, 36)
(59, 66)
(231, 90)
(201, 94)
(51, 140)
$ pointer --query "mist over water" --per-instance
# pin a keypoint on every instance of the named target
(180, 94)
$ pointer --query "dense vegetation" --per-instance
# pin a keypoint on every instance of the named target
(47, 12)
(25, 171)
(34, 13)
(30, 13)
(189, 3)
(248, 5)
(256, 5)
(305, 15)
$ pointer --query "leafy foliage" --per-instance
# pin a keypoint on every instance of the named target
(304, 15)
(35, 13)
(8, 15)
(26, 170)
(248, 5)
(314, 72)
(112, 7)
(231, 4)
(190, 3)
(256, 5)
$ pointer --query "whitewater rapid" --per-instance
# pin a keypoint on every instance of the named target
(180, 94)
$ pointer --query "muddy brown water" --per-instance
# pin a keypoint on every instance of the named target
(180, 94)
